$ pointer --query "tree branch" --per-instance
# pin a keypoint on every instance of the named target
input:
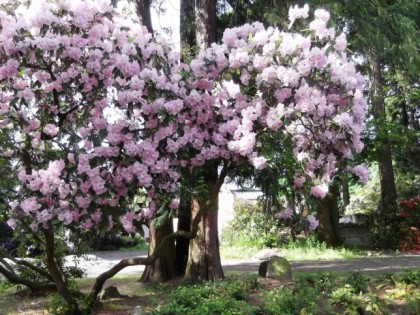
(27, 264)
(33, 286)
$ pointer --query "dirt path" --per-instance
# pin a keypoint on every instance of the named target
(368, 264)
(97, 262)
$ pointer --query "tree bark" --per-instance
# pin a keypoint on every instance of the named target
(204, 258)
(206, 22)
(328, 216)
(143, 12)
(384, 156)
(163, 268)
(55, 270)
(182, 244)
(345, 193)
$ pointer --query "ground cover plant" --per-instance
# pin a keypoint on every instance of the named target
(316, 292)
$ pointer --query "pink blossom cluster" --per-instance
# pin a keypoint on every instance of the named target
(123, 115)
(313, 222)
(285, 214)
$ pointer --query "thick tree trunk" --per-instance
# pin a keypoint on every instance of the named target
(328, 216)
(384, 156)
(204, 258)
(143, 12)
(206, 22)
(163, 268)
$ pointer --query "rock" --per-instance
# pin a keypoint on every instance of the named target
(276, 268)
(111, 292)
(267, 253)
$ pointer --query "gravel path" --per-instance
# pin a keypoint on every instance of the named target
(97, 262)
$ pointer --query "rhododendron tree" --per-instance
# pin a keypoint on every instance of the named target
(96, 110)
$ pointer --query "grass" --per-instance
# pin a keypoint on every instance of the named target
(308, 250)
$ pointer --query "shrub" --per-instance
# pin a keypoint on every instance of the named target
(226, 297)
(118, 241)
(289, 301)
(411, 277)
(358, 281)
(343, 296)
(413, 302)
(258, 228)
(322, 281)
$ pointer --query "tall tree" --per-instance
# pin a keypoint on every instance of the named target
(143, 12)
(205, 19)
(387, 40)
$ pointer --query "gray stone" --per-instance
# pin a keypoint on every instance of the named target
(276, 268)
(267, 253)
(111, 292)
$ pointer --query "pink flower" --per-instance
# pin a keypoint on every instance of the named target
(174, 204)
(30, 205)
(286, 214)
(340, 42)
(298, 13)
(313, 222)
(50, 130)
(12, 223)
(319, 191)
(299, 181)
(361, 172)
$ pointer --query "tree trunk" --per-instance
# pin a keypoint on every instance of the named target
(187, 30)
(204, 258)
(57, 274)
(345, 193)
(182, 244)
(384, 156)
(205, 20)
(143, 12)
(163, 268)
(328, 216)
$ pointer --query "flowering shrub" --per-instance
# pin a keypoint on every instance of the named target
(95, 109)
(410, 224)
(298, 222)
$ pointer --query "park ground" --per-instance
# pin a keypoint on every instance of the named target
(381, 274)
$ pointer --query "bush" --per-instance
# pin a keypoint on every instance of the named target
(117, 241)
(410, 277)
(358, 281)
(226, 297)
(258, 228)
(289, 301)
(343, 296)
